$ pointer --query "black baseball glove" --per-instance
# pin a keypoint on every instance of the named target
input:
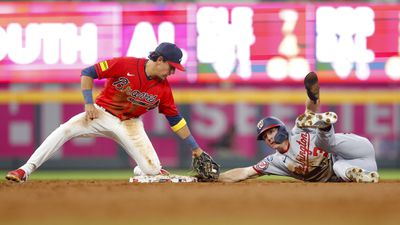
(206, 168)
(312, 86)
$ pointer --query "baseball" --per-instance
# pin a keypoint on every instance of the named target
(137, 171)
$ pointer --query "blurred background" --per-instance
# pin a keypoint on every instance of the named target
(245, 60)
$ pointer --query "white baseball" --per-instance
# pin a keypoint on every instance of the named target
(137, 171)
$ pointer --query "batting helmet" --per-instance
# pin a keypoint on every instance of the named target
(271, 122)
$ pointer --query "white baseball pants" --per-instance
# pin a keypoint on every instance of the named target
(349, 150)
(130, 134)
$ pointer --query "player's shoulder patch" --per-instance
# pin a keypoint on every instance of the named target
(262, 165)
(103, 65)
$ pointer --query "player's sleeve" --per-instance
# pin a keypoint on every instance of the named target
(108, 68)
(325, 139)
(89, 72)
(167, 104)
(176, 122)
(271, 165)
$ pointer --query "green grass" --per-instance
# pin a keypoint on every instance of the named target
(386, 174)
(390, 174)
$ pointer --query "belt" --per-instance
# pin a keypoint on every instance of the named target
(110, 112)
(101, 107)
(104, 109)
(133, 117)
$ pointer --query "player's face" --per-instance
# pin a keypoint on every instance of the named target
(269, 138)
(164, 69)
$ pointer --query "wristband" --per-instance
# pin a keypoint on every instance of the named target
(189, 141)
(87, 96)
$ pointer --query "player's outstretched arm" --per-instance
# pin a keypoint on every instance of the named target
(238, 174)
(312, 86)
(87, 86)
(311, 106)
(311, 118)
(184, 133)
(204, 165)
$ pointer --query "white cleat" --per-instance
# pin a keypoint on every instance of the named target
(358, 175)
(316, 120)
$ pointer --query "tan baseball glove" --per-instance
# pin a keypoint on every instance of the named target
(206, 168)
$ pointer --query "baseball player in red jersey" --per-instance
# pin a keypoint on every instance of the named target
(134, 86)
(312, 151)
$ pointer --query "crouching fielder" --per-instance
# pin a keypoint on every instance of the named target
(133, 87)
(312, 151)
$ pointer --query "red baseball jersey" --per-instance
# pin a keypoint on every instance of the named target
(128, 93)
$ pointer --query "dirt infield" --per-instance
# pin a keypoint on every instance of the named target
(254, 202)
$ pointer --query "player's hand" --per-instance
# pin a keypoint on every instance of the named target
(197, 152)
(91, 112)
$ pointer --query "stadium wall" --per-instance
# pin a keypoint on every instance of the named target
(225, 127)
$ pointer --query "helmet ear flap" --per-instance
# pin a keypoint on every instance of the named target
(281, 135)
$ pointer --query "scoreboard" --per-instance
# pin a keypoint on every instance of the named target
(238, 43)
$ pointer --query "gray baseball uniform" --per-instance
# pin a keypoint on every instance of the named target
(316, 155)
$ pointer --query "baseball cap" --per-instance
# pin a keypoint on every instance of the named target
(172, 54)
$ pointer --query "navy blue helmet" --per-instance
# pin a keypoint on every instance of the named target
(271, 122)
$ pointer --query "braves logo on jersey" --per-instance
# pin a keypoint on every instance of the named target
(121, 83)
(136, 97)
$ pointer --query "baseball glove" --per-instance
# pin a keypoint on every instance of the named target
(206, 168)
(312, 86)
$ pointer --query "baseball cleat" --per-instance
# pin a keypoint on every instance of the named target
(17, 175)
(316, 120)
(164, 172)
(358, 175)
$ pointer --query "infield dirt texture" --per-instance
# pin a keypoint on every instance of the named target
(254, 202)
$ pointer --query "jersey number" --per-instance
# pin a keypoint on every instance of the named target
(318, 151)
